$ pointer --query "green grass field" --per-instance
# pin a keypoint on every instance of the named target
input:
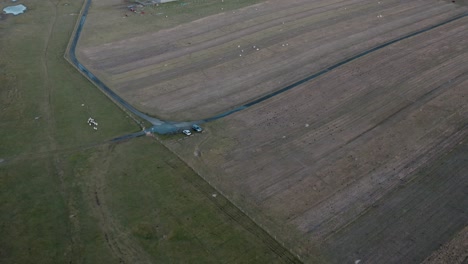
(67, 195)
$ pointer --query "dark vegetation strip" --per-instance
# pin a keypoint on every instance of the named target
(129, 136)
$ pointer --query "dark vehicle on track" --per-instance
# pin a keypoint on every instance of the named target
(197, 128)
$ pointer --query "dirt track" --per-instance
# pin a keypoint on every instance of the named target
(365, 163)
(200, 69)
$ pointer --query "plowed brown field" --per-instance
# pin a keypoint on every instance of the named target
(368, 162)
(365, 164)
(199, 69)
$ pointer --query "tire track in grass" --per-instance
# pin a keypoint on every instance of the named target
(121, 244)
(238, 216)
(55, 166)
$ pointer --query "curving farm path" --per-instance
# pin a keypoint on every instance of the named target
(167, 127)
